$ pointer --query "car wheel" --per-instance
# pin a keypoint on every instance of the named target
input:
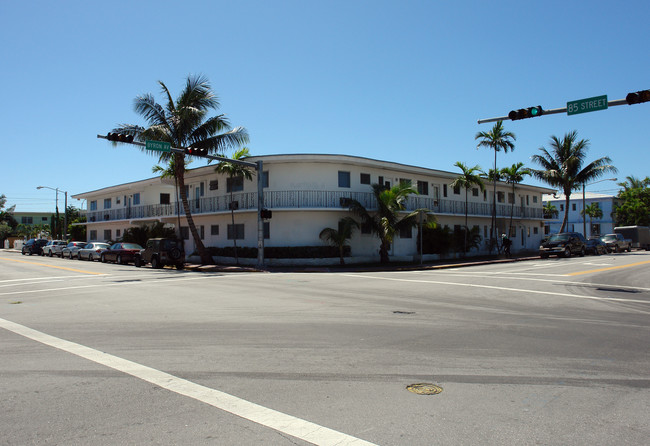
(103, 259)
(155, 263)
(629, 248)
(137, 262)
(180, 266)
(91, 258)
(23, 251)
(567, 252)
(618, 248)
(79, 256)
(50, 253)
(119, 260)
(543, 256)
(582, 252)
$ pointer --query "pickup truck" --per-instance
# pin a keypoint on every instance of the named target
(640, 235)
(617, 243)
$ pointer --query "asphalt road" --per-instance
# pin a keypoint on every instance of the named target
(539, 352)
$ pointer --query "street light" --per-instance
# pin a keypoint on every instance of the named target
(584, 213)
(65, 213)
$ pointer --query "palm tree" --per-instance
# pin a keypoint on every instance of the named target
(632, 182)
(169, 172)
(562, 166)
(235, 171)
(339, 237)
(469, 178)
(514, 175)
(389, 217)
(593, 211)
(496, 139)
(550, 211)
(184, 123)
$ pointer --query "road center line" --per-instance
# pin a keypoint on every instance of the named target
(54, 266)
(491, 287)
(608, 268)
(287, 424)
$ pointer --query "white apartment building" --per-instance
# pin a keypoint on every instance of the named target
(598, 226)
(304, 193)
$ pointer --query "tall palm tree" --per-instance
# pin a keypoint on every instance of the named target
(496, 139)
(514, 175)
(184, 123)
(389, 217)
(235, 171)
(339, 237)
(562, 166)
(469, 178)
(593, 211)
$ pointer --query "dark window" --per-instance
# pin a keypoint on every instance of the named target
(107, 234)
(511, 197)
(501, 197)
(185, 232)
(214, 184)
(365, 178)
(214, 230)
(405, 182)
(267, 230)
(236, 231)
(265, 178)
(573, 206)
(406, 233)
(344, 179)
(423, 188)
(561, 208)
(164, 198)
(475, 191)
(234, 184)
(457, 190)
(444, 190)
(93, 205)
(136, 199)
(107, 203)
(27, 220)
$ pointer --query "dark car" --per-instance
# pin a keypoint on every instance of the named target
(596, 246)
(121, 253)
(564, 244)
(160, 252)
(34, 246)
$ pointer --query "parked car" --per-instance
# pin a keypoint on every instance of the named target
(121, 253)
(640, 235)
(48, 250)
(617, 243)
(70, 251)
(34, 246)
(160, 252)
(92, 251)
(596, 246)
(564, 244)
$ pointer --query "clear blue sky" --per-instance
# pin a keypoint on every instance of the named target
(402, 81)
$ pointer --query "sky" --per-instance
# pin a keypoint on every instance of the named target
(403, 81)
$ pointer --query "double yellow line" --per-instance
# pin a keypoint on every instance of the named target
(53, 266)
(608, 268)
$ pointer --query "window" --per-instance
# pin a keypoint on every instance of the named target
(406, 233)
(214, 184)
(118, 233)
(164, 199)
(405, 182)
(364, 178)
(573, 206)
(93, 205)
(107, 234)
(344, 179)
(511, 198)
(561, 208)
(423, 188)
(136, 199)
(43, 218)
(27, 220)
(236, 231)
(457, 190)
(214, 230)
(475, 192)
(501, 197)
(444, 190)
(527, 200)
(235, 184)
(535, 230)
(107, 203)
(185, 232)
(265, 178)
(267, 230)
(534, 198)
(93, 234)
(202, 232)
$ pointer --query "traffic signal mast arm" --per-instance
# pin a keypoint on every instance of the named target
(632, 98)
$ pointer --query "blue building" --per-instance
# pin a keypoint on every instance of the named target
(594, 226)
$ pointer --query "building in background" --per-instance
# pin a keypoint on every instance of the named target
(598, 226)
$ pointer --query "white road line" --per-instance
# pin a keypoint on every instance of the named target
(500, 288)
(287, 424)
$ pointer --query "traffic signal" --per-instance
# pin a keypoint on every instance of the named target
(523, 113)
(638, 97)
(196, 152)
(266, 213)
(119, 137)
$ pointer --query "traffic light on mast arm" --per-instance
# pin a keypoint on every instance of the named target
(119, 137)
(638, 97)
(193, 151)
(523, 113)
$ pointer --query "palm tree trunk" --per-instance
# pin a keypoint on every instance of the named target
(206, 258)
(234, 230)
(566, 212)
(494, 203)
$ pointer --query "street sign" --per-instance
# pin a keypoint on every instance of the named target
(159, 146)
(586, 105)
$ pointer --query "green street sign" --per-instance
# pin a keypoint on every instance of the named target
(159, 146)
(586, 105)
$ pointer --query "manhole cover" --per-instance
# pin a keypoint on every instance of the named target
(424, 389)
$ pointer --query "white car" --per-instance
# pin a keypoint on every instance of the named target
(51, 248)
(92, 251)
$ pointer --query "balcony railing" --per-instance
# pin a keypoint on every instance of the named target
(307, 200)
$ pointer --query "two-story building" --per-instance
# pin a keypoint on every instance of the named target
(305, 193)
(575, 223)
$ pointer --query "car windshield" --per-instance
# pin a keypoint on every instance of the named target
(559, 238)
(608, 237)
